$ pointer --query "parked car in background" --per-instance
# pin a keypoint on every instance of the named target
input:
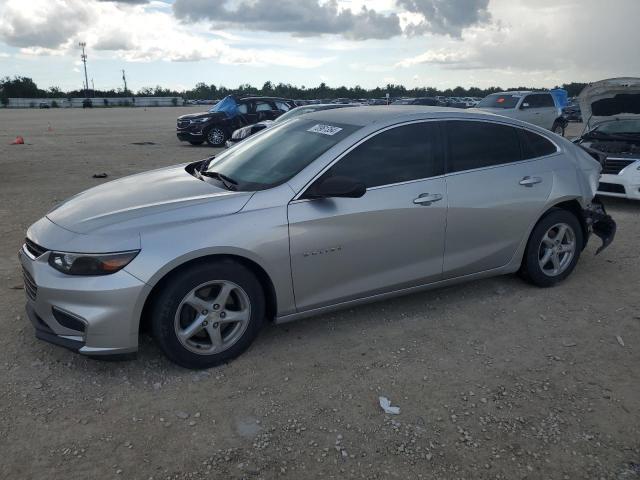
(44, 105)
(230, 113)
(341, 206)
(537, 108)
(572, 112)
(429, 101)
(611, 111)
(245, 132)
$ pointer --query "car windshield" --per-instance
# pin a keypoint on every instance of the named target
(499, 101)
(275, 156)
(227, 105)
(620, 126)
(294, 113)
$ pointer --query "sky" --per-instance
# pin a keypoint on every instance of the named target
(416, 43)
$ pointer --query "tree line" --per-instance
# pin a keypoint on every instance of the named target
(24, 87)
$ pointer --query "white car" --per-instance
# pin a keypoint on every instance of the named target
(611, 110)
(538, 108)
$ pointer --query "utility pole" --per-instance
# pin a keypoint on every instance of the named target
(84, 60)
(124, 79)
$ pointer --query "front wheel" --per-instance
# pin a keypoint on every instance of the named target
(553, 249)
(208, 314)
(216, 137)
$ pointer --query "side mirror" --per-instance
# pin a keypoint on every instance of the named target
(333, 187)
(524, 105)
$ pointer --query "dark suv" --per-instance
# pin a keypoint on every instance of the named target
(230, 113)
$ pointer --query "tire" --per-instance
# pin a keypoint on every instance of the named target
(201, 285)
(544, 241)
(557, 128)
(196, 142)
(216, 136)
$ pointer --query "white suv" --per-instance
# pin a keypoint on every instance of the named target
(538, 108)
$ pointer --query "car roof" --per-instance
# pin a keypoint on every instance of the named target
(368, 115)
(518, 92)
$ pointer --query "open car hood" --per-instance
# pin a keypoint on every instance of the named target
(610, 99)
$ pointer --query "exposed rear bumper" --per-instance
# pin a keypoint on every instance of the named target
(600, 223)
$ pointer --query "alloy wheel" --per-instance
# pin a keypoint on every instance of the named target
(212, 317)
(215, 136)
(557, 248)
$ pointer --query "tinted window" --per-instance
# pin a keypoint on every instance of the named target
(539, 100)
(534, 145)
(481, 144)
(401, 154)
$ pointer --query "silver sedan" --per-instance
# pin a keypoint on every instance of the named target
(324, 211)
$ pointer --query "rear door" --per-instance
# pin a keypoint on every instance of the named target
(494, 196)
(391, 238)
(539, 109)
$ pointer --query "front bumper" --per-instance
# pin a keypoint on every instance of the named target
(624, 185)
(190, 136)
(93, 315)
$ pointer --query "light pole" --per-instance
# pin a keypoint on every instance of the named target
(84, 60)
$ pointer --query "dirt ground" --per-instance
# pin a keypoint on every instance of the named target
(494, 379)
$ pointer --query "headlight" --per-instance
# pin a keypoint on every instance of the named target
(241, 133)
(90, 264)
(200, 120)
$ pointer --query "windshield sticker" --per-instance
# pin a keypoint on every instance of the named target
(324, 129)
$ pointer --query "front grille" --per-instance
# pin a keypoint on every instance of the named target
(611, 188)
(34, 249)
(30, 287)
(614, 166)
(183, 123)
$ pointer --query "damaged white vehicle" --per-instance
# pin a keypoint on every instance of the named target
(611, 110)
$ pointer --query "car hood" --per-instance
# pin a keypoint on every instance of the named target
(191, 116)
(610, 99)
(167, 195)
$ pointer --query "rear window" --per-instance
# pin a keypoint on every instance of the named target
(499, 101)
(481, 144)
(534, 145)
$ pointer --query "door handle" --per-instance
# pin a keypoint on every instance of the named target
(427, 198)
(530, 181)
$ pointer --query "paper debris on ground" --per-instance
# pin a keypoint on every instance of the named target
(385, 403)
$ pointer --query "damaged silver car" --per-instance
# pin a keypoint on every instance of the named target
(326, 211)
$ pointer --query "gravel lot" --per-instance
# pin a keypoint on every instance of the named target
(494, 379)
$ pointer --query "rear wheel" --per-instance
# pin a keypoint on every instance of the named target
(208, 314)
(553, 249)
(216, 137)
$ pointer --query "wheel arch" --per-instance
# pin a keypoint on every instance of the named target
(253, 266)
(573, 206)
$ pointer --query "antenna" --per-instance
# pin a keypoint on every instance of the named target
(83, 57)
(124, 79)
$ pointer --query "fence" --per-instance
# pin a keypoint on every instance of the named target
(95, 102)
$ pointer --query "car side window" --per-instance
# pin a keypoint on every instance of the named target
(534, 145)
(242, 108)
(546, 100)
(263, 107)
(531, 101)
(282, 106)
(480, 144)
(400, 154)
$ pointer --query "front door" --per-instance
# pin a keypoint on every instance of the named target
(391, 238)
